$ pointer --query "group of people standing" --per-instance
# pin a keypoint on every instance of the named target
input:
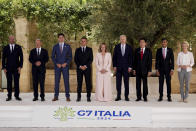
(124, 60)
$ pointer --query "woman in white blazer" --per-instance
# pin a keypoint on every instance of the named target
(185, 61)
(103, 74)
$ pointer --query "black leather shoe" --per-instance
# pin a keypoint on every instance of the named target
(138, 99)
(145, 99)
(169, 99)
(118, 99)
(88, 99)
(126, 98)
(8, 99)
(78, 99)
(42, 99)
(18, 99)
(160, 99)
(35, 99)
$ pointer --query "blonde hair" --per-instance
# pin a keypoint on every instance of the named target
(99, 50)
(185, 43)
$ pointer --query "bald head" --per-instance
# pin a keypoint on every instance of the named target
(11, 39)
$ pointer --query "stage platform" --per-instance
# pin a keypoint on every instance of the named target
(151, 114)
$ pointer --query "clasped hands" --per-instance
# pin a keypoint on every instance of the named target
(61, 65)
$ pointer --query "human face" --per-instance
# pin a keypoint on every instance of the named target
(123, 39)
(103, 48)
(11, 39)
(164, 43)
(142, 43)
(184, 47)
(61, 39)
(38, 43)
(83, 42)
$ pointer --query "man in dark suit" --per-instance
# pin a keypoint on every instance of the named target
(122, 63)
(164, 68)
(142, 68)
(61, 57)
(38, 58)
(12, 63)
(83, 59)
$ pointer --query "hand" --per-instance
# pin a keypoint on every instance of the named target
(83, 68)
(129, 70)
(5, 71)
(64, 65)
(171, 72)
(19, 69)
(183, 66)
(149, 74)
(134, 72)
(103, 71)
(38, 63)
(115, 69)
(157, 72)
(59, 65)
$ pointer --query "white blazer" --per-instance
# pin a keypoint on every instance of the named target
(190, 60)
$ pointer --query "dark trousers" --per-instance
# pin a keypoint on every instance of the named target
(13, 73)
(139, 78)
(162, 76)
(122, 72)
(87, 74)
(38, 78)
(65, 72)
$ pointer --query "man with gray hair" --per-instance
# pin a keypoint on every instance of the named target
(38, 58)
(122, 63)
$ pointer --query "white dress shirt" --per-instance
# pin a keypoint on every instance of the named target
(38, 50)
(12, 47)
(165, 51)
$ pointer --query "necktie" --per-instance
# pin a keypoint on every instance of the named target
(164, 53)
(61, 48)
(123, 50)
(141, 53)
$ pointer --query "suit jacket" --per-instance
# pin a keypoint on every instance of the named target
(125, 61)
(83, 58)
(43, 58)
(145, 65)
(12, 60)
(64, 57)
(167, 64)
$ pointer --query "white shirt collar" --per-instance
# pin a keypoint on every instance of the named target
(83, 47)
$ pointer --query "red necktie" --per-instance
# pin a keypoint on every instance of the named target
(141, 53)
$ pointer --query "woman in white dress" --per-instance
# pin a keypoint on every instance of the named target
(103, 74)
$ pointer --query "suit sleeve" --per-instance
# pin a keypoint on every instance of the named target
(54, 55)
(4, 58)
(46, 57)
(150, 61)
(90, 58)
(114, 59)
(76, 58)
(157, 60)
(69, 56)
(31, 57)
(135, 60)
(172, 60)
(21, 57)
(109, 62)
(97, 63)
(131, 58)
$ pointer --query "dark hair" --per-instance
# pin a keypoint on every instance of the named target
(142, 39)
(84, 37)
(163, 39)
(61, 34)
